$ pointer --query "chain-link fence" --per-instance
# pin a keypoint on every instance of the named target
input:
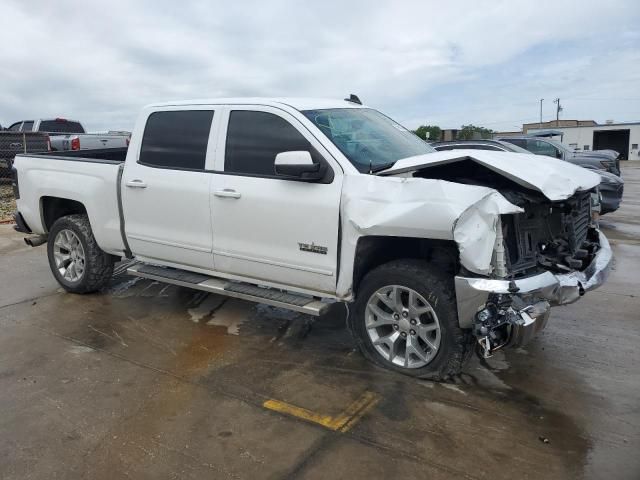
(11, 144)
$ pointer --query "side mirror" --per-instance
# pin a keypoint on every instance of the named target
(297, 164)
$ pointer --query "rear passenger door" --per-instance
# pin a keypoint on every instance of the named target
(267, 227)
(166, 190)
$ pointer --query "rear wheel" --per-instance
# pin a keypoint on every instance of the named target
(75, 258)
(405, 319)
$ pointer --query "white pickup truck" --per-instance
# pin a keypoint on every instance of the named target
(300, 202)
(70, 134)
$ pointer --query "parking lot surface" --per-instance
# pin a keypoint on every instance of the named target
(147, 380)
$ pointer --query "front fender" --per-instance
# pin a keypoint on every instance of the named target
(418, 208)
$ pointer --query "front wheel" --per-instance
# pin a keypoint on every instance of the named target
(405, 319)
(75, 258)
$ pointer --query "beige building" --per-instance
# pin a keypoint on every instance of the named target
(558, 124)
(622, 137)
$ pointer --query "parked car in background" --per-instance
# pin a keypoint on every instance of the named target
(70, 134)
(493, 145)
(611, 190)
(599, 159)
(12, 143)
(611, 186)
(290, 202)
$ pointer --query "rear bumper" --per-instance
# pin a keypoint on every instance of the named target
(534, 292)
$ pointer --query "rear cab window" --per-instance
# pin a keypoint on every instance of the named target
(254, 138)
(176, 139)
(60, 125)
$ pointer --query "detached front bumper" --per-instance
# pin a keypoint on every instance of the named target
(534, 292)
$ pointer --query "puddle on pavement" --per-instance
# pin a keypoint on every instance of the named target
(207, 325)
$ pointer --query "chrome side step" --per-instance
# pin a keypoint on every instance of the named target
(269, 296)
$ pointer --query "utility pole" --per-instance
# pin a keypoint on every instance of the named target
(541, 100)
(558, 110)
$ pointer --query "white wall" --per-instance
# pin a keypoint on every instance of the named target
(582, 136)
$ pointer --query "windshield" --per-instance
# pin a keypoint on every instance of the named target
(370, 140)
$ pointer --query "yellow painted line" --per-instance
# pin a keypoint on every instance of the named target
(343, 422)
(357, 410)
(303, 413)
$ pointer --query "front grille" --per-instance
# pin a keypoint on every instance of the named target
(552, 236)
(578, 221)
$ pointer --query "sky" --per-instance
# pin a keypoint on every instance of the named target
(421, 62)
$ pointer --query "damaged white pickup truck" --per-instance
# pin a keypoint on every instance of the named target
(300, 202)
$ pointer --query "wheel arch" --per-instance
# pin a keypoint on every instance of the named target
(373, 251)
(53, 208)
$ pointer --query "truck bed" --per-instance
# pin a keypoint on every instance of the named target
(103, 155)
(88, 177)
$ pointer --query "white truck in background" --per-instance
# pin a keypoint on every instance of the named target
(299, 202)
(70, 134)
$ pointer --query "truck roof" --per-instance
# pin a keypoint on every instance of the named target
(297, 103)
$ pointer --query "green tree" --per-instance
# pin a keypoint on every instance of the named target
(433, 130)
(471, 132)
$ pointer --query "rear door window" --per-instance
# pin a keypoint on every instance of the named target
(176, 139)
(27, 126)
(255, 138)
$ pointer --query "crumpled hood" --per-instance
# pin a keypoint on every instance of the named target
(555, 179)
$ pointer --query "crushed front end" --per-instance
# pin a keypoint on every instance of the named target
(550, 254)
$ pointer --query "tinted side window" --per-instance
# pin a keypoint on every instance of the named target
(15, 127)
(27, 126)
(541, 148)
(60, 126)
(176, 139)
(521, 142)
(255, 138)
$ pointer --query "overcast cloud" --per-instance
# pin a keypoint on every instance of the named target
(443, 63)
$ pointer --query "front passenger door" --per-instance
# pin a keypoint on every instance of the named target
(268, 227)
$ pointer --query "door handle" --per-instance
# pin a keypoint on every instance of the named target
(227, 192)
(136, 184)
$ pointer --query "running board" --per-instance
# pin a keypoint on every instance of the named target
(245, 291)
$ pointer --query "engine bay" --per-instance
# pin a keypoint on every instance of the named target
(556, 236)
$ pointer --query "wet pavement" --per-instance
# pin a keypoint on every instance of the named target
(147, 380)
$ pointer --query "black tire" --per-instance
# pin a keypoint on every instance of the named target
(456, 344)
(98, 265)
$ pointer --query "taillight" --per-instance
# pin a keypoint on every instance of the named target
(48, 143)
(75, 143)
